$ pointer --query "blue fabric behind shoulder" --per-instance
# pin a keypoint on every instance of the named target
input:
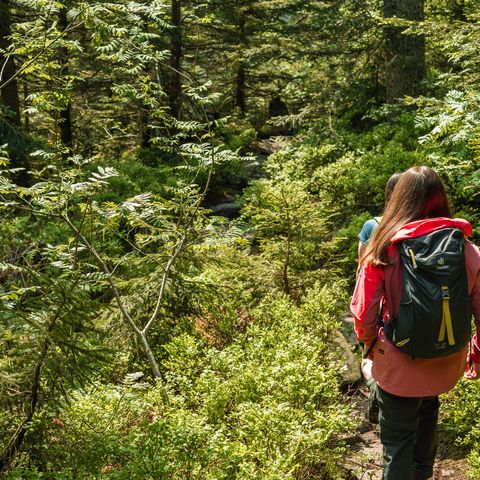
(367, 230)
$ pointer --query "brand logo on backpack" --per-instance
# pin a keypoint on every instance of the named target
(434, 317)
(441, 264)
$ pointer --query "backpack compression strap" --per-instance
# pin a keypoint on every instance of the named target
(446, 318)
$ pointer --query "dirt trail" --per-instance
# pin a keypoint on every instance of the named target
(365, 462)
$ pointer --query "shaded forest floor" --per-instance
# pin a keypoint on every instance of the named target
(365, 462)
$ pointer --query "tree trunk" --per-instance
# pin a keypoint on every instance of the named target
(10, 99)
(405, 54)
(65, 121)
(240, 89)
(9, 93)
(145, 130)
(240, 73)
(286, 264)
(26, 115)
(175, 84)
(144, 109)
(458, 11)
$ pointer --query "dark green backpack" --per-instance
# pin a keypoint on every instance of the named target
(434, 317)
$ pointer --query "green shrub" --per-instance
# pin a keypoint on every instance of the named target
(340, 254)
(300, 162)
(461, 422)
(356, 181)
(288, 226)
(265, 406)
(238, 134)
(135, 178)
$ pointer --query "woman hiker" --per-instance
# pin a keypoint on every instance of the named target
(363, 238)
(408, 379)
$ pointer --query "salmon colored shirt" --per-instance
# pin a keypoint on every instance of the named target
(394, 371)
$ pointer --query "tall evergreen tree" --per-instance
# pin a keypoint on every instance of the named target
(8, 84)
(175, 82)
(404, 54)
(65, 112)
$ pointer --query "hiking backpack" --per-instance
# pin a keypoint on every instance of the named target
(434, 317)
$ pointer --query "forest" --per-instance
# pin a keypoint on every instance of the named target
(182, 185)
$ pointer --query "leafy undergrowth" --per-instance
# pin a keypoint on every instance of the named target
(266, 406)
(461, 423)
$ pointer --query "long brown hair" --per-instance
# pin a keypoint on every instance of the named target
(390, 186)
(420, 193)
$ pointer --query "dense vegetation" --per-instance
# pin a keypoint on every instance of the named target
(143, 334)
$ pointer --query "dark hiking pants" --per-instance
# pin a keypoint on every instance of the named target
(408, 432)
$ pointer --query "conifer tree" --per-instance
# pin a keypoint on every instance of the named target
(8, 82)
(405, 54)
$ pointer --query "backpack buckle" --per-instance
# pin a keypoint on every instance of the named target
(445, 293)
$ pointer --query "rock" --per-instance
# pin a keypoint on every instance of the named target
(348, 330)
(227, 209)
(351, 372)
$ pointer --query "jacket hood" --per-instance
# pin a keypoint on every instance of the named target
(427, 225)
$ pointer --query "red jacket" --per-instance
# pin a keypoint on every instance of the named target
(394, 371)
